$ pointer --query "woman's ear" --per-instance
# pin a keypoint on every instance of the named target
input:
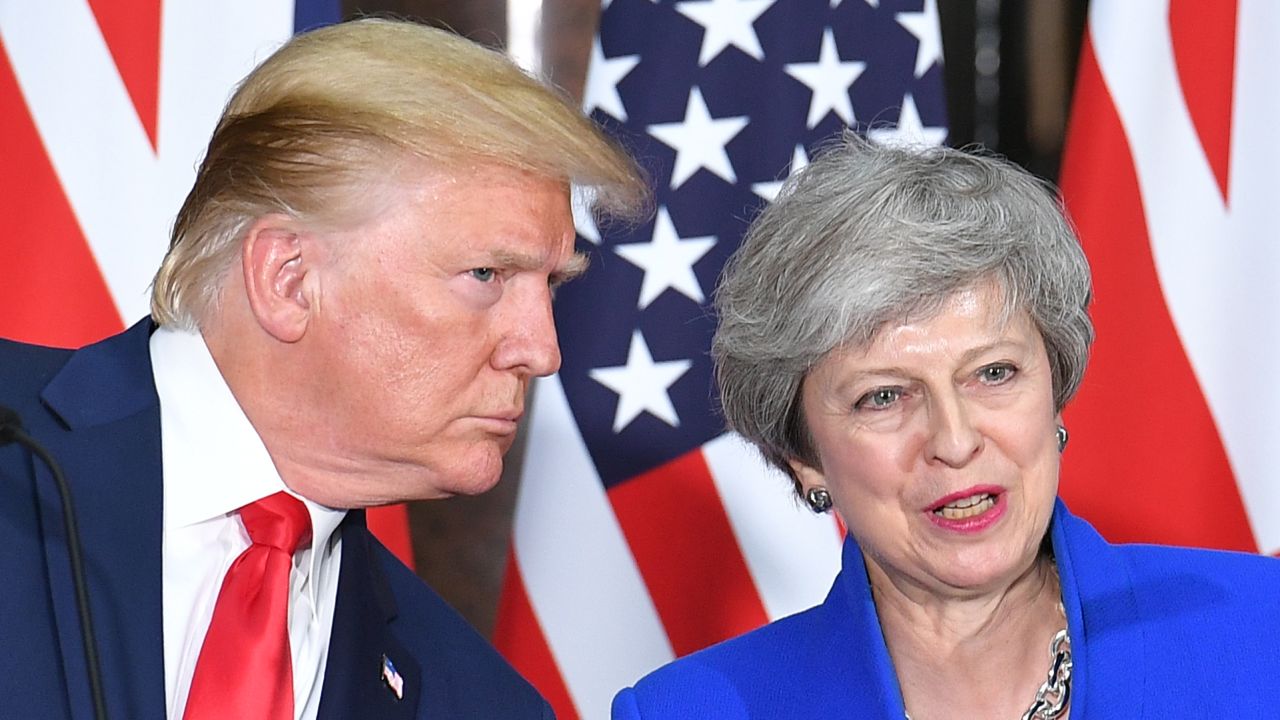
(807, 476)
(276, 266)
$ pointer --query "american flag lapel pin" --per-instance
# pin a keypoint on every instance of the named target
(392, 678)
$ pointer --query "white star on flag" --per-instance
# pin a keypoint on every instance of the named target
(699, 141)
(924, 25)
(642, 385)
(603, 76)
(769, 190)
(829, 79)
(910, 130)
(725, 23)
(667, 261)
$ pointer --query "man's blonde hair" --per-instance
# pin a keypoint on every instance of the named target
(336, 106)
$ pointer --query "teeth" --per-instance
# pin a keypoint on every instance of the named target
(968, 502)
(967, 507)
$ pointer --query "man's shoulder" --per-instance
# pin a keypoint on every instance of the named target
(25, 369)
(453, 654)
(102, 381)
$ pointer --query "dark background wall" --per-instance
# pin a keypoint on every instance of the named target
(1009, 67)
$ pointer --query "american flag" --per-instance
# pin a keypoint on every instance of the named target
(1170, 174)
(643, 531)
(392, 677)
(105, 110)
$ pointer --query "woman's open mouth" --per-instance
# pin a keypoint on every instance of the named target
(967, 507)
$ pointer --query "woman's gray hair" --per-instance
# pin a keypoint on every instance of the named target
(869, 234)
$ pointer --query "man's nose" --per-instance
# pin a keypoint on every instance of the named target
(529, 343)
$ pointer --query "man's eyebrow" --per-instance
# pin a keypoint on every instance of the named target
(573, 267)
(515, 260)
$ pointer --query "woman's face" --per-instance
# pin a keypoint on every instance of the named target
(937, 445)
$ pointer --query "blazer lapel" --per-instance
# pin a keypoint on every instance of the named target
(1108, 647)
(1107, 643)
(110, 455)
(858, 668)
(365, 658)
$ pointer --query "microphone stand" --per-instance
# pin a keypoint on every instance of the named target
(11, 431)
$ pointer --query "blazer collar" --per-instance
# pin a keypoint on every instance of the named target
(111, 457)
(1108, 647)
(863, 671)
(363, 651)
(106, 381)
(1107, 643)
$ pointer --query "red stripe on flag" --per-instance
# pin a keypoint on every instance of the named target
(518, 636)
(132, 31)
(1204, 48)
(51, 288)
(390, 524)
(686, 550)
(1146, 462)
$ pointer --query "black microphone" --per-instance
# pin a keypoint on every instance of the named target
(10, 425)
(11, 431)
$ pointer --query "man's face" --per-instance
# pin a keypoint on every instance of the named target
(430, 322)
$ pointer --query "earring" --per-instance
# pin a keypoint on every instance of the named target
(819, 499)
(1063, 437)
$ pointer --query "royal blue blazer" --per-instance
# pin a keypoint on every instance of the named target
(97, 412)
(1156, 632)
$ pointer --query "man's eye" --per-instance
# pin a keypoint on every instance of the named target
(879, 399)
(483, 274)
(996, 374)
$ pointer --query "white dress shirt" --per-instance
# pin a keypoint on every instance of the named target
(214, 463)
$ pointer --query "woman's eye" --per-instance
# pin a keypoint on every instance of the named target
(483, 274)
(879, 399)
(996, 374)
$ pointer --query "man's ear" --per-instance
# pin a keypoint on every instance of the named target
(276, 265)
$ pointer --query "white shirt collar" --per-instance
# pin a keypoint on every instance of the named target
(214, 461)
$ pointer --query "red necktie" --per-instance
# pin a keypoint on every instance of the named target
(244, 669)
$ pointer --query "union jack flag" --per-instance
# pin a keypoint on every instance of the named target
(1170, 175)
(643, 531)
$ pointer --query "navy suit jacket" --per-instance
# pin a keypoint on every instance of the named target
(97, 412)
(1156, 632)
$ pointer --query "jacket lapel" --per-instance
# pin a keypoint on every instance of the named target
(365, 658)
(858, 668)
(1108, 647)
(110, 455)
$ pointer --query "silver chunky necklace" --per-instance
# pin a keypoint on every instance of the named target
(1054, 695)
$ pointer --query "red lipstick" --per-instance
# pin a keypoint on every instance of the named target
(969, 511)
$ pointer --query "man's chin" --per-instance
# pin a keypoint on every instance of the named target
(475, 478)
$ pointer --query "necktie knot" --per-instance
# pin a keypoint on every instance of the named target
(279, 521)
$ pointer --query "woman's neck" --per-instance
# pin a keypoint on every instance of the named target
(970, 655)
